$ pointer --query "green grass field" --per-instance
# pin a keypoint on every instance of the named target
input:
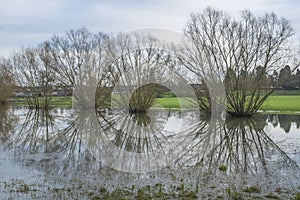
(281, 104)
(173, 102)
(274, 104)
(55, 101)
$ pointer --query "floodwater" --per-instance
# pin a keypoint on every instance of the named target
(60, 154)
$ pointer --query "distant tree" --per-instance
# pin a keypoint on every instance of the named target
(285, 75)
(298, 74)
(297, 77)
(274, 78)
(261, 75)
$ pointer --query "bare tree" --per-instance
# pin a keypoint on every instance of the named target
(47, 78)
(77, 57)
(32, 74)
(64, 62)
(140, 70)
(25, 67)
(7, 84)
(242, 51)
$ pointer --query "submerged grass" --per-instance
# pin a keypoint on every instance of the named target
(84, 189)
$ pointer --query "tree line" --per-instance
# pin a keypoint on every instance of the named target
(249, 56)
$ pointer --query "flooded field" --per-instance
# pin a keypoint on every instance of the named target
(164, 155)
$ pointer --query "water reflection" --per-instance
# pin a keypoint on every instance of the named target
(129, 142)
(7, 122)
(63, 143)
(45, 139)
(240, 144)
(285, 122)
(33, 134)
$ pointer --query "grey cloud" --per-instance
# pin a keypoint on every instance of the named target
(33, 22)
(12, 28)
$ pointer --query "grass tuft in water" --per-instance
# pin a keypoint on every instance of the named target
(271, 196)
(297, 196)
(223, 168)
(252, 189)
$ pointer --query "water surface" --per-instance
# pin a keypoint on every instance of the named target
(172, 154)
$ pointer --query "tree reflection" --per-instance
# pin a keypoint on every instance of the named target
(85, 141)
(240, 143)
(34, 132)
(68, 142)
(7, 122)
(284, 121)
(50, 139)
(130, 142)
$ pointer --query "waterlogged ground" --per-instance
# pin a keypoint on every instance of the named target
(57, 154)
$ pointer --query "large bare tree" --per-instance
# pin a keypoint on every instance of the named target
(77, 57)
(240, 53)
(140, 68)
(31, 67)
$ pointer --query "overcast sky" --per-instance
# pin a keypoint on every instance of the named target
(29, 22)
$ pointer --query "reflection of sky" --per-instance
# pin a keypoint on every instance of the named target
(294, 131)
(288, 142)
(28, 22)
(173, 124)
(9, 170)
